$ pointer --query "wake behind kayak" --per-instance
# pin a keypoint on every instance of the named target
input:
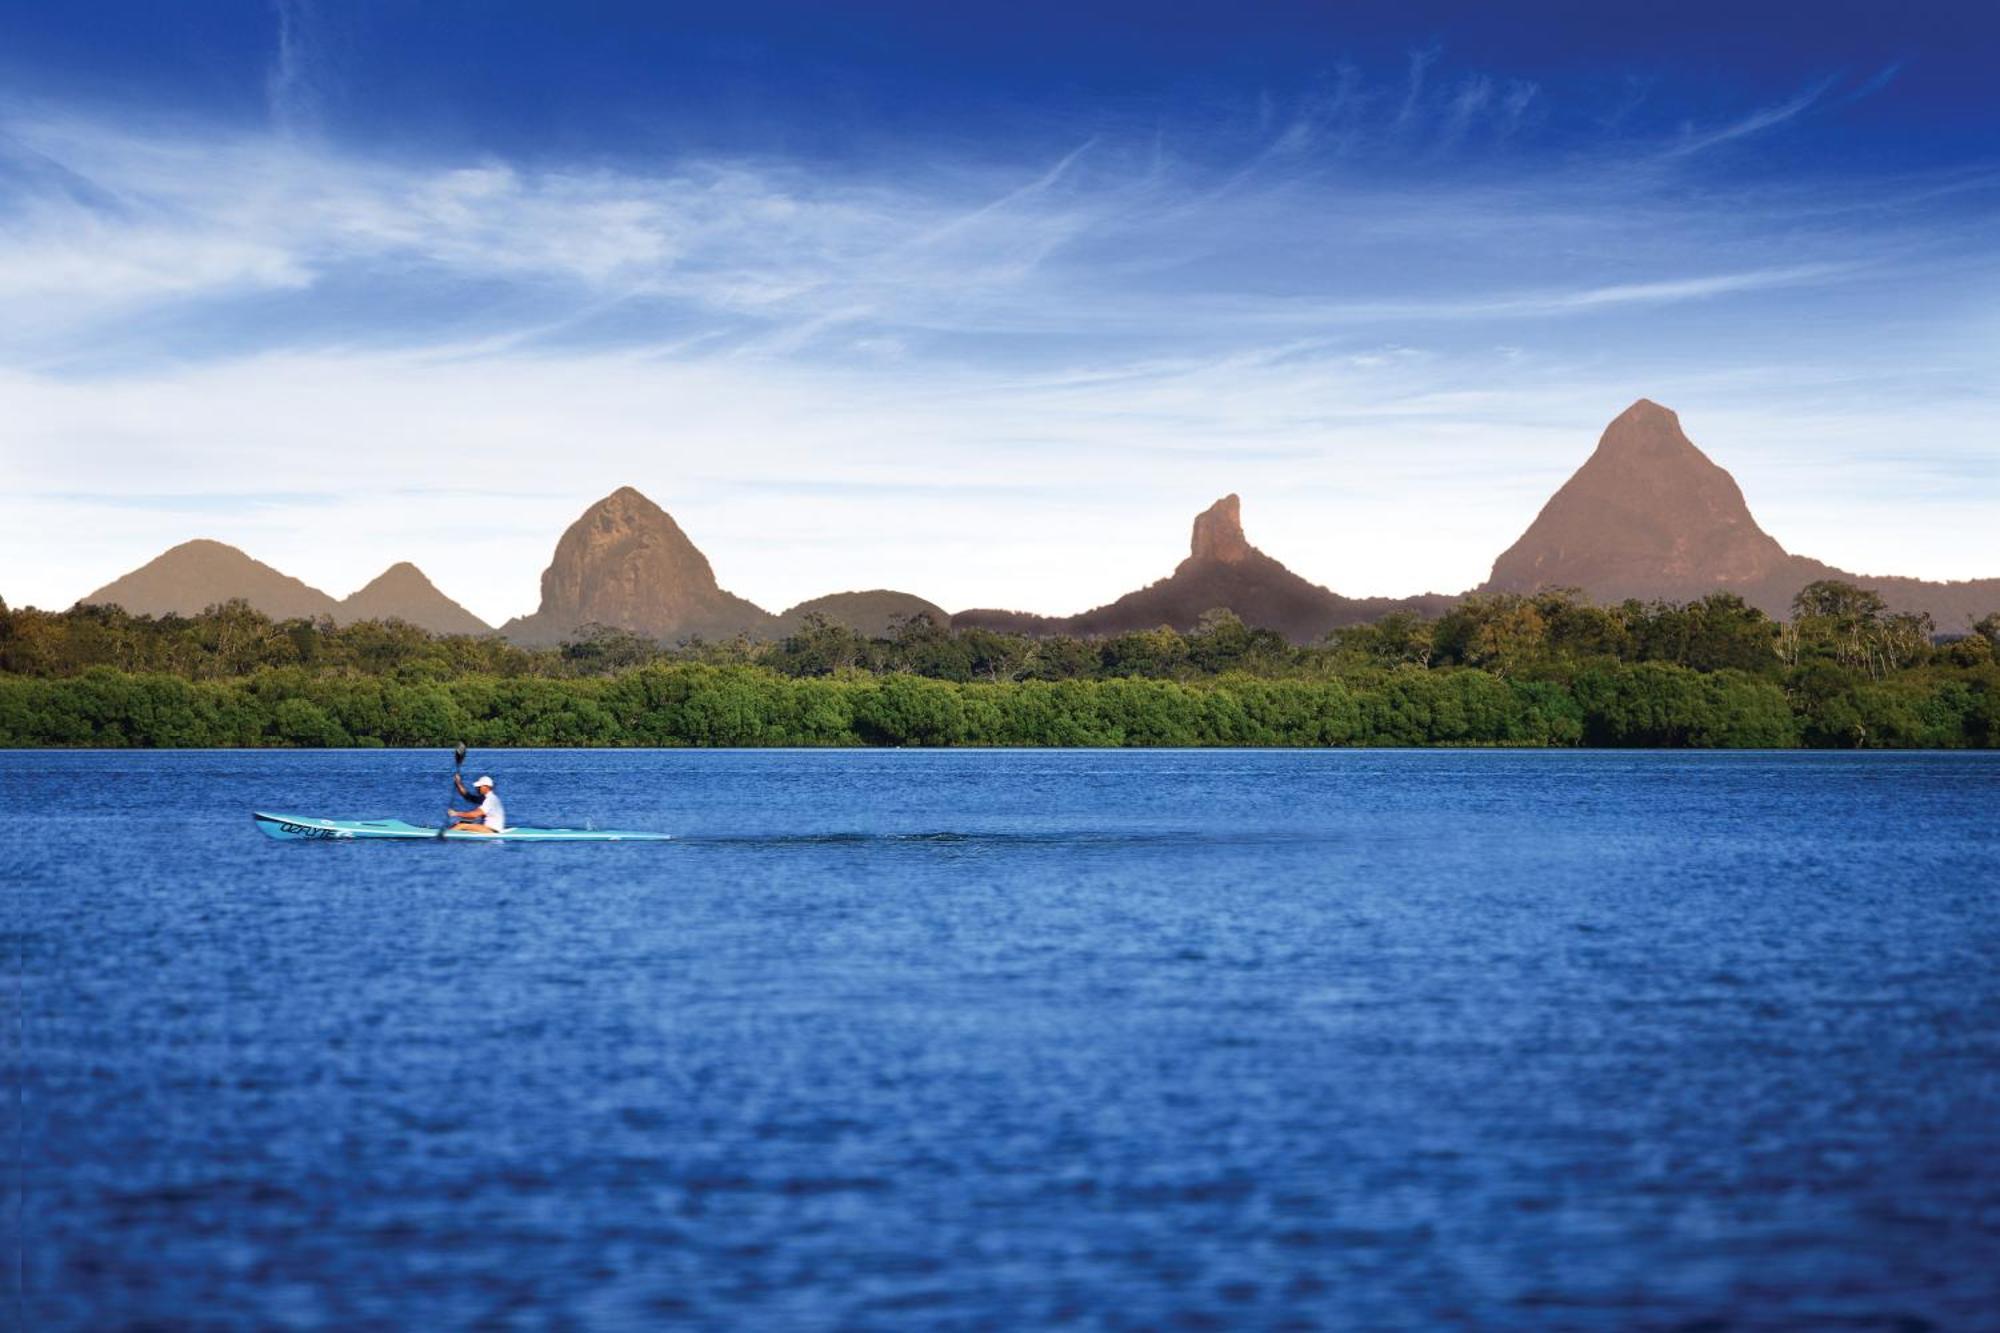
(307, 828)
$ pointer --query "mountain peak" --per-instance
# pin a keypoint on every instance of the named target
(186, 579)
(626, 497)
(403, 592)
(625, 563)
(1218, 533)
(1648, 515)
(1646, 429)
(626, 509)
(1223, 571)
(402, 574)
(1646, 408)
(626, 527)
(206, 546)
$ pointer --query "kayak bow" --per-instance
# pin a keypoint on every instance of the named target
(303, 827)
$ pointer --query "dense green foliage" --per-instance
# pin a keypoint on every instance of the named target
(1544, 670)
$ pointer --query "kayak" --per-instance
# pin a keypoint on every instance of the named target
(302, 826)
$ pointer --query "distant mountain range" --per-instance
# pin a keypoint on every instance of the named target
(1647, 516)
(201, 573)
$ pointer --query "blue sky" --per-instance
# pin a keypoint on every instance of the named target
(984, 303)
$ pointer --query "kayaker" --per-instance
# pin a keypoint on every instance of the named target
(488, 816)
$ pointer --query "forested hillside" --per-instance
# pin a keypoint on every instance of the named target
(1547, 669)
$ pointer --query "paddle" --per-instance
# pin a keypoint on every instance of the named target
(457, 786)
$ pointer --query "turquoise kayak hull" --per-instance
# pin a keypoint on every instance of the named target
(306, 828)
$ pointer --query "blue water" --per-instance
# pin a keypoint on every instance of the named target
(1010, 1040)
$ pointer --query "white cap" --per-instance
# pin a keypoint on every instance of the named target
(484, 781)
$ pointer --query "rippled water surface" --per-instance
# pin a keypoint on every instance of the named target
(1009, 1040)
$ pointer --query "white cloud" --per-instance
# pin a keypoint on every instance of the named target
(91, 268)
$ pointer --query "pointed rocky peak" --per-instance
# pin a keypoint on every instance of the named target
(1223, 571)
(1644, 411)
(627, 521)
(624, 505)
(1647, 431)
(1644, 446)
(1218, 533)
(625, 563)
(1647, 515)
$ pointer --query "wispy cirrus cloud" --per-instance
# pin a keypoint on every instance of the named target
(774, 257)
(1764, 118)
(1668, 289)
(293, 85)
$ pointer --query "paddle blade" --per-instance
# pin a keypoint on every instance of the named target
(458, 755)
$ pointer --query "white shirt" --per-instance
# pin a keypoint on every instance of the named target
(496, 813)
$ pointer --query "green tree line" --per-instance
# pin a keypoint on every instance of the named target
(1550, 669)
